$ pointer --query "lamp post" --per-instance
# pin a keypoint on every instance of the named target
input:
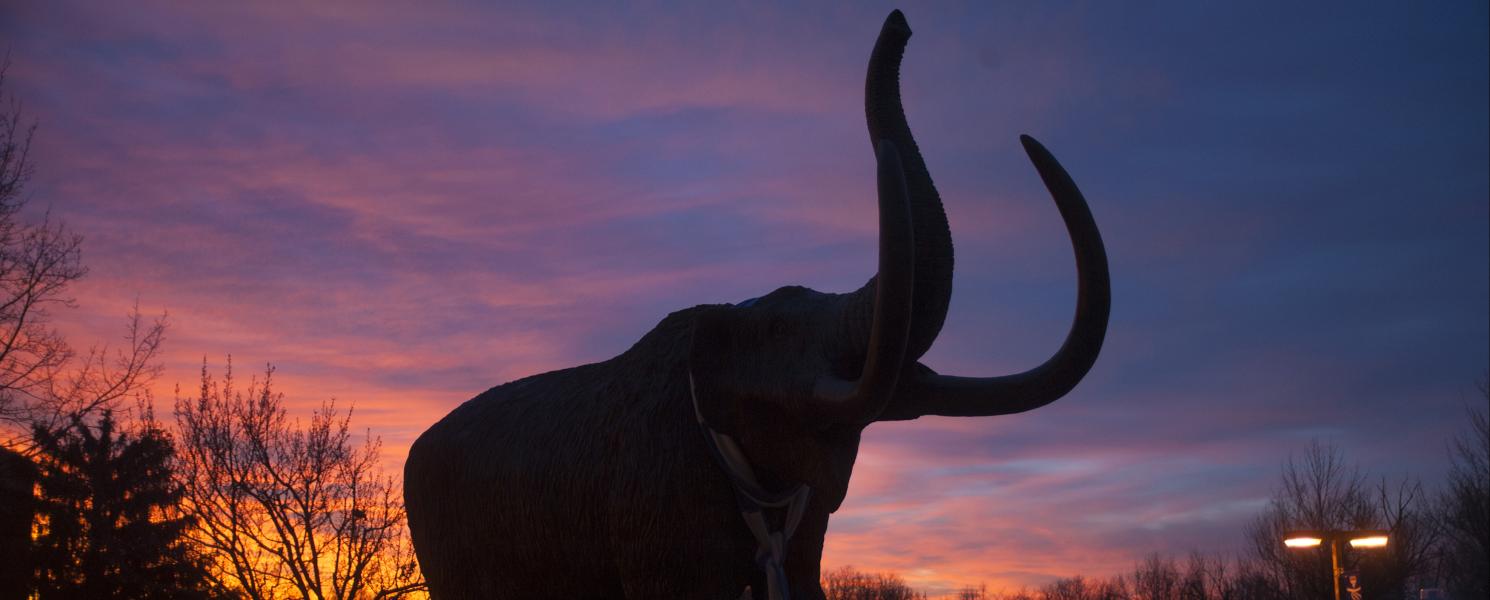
(1358, 538)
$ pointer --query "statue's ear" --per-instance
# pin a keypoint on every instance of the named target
(710, 366)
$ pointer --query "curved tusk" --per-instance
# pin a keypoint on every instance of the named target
(932, 394)
(864, 399)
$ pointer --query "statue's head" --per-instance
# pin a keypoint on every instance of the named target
(796, 374)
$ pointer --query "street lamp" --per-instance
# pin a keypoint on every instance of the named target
(1371, 540)
(1358, 538)
(1302, 540)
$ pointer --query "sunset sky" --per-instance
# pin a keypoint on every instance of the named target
(403, 205)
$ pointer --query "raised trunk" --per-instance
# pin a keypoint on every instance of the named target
(886, 120)
(862, 399)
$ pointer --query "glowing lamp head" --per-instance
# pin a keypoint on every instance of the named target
(1371, 541)
(1302, 541)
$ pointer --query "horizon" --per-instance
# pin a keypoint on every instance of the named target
(403, 209)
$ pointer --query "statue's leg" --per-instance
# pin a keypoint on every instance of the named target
(804, 557)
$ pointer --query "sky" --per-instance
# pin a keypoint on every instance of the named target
(401, 205)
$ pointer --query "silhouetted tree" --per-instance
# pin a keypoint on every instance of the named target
(1156, 578)
(37, 262)
(1321, 492)
(980, 592)
(290, 511)
(847, 583)
(1107, 589)
(1201, 577)
(1405, 510)
(107, 518)
(44, 384)
(1464, 509)
(1249, 581)
(1066, 588)
(43, 381)
(1207, 578)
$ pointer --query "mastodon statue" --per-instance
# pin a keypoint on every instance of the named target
(708, 457)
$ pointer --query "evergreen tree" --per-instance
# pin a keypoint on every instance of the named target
(108, 519)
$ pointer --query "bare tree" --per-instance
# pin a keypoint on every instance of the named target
(1195, 583)
(1317, 492)
(980, 592)
(1250, 581)
(1066, 588)
(1108, 589)
(1207, 577)
(1159, 577)
(1402, 509)
(1156, 578)
(291, 511)
(847, 583)
(1464, 508)
(43, 381)
(1320, 491)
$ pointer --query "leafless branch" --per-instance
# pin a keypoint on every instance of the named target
(291, 509)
